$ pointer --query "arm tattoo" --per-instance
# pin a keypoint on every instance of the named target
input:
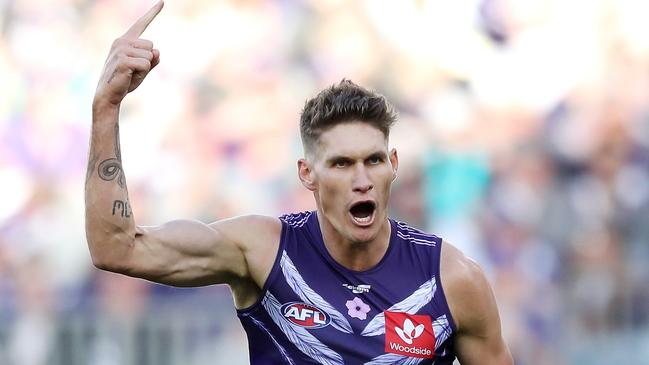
(122, 208)
(112, 76)
(111, 168)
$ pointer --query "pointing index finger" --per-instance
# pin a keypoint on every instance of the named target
(140, 25)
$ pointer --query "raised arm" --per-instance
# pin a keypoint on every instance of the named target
(236, 251)
(478, 338)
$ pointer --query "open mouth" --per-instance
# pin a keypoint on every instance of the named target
(363, 212)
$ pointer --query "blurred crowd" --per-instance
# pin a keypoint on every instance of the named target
(523, 139)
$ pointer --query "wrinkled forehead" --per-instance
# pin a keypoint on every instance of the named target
(350, 139)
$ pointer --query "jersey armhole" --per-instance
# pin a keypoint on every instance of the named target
(273, 271)
(440, 286)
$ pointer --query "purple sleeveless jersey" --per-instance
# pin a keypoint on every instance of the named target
(315, 311)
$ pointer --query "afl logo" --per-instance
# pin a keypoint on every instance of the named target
(305, 315)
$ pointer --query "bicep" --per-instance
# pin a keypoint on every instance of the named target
(185, 253)
(481, 342)
(473, 305)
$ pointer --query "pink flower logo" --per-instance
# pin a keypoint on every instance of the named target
(357, 308)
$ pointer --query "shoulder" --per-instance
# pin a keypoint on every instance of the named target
(257, 237)
(250, 231)
(467, 290)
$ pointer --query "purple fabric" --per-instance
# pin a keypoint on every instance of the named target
(305, 314)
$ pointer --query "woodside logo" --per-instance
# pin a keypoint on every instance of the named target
(409, 335)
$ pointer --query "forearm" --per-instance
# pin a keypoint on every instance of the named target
(110, 227)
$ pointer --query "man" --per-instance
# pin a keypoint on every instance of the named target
(342, 285)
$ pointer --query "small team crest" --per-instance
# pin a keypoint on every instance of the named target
(305, 315)
(409, 335)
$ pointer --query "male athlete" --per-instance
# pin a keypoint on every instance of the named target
(341, 285)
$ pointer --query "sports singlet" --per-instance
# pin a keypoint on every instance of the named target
(315, 311)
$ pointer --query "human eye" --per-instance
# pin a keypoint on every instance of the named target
(340, 163)
(374, 160)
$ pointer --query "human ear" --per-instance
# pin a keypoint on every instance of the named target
(394, 161)
(305, 173)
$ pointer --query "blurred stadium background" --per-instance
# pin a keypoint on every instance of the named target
(524, 139)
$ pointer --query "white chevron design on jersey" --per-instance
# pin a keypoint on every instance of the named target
(299, 336)
(442, 330)
(410, 305)
(279, 347)
(389, 359)
(415, 236)
(308, 295)
(296, 220)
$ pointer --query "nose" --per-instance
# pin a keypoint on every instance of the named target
(362, 182)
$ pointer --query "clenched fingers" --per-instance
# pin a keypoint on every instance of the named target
(129, 61)
(139, 64)
(153, 56)
(141, 43)
(139, 53)
(156, 58)
(133, 48)
(127, 65)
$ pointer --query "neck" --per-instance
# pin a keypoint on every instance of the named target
(355, 255)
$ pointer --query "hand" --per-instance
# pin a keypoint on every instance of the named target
(129, 61)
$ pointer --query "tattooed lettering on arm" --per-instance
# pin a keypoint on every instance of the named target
(112, 76)
(122, 208)
(111, 168)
